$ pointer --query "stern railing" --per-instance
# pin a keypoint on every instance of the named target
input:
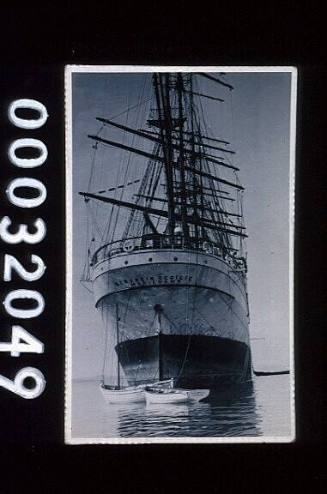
(150, 242)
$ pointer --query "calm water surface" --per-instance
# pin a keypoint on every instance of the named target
(249, 410)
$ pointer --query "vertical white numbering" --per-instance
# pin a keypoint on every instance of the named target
(25, 144)
(21, 342)
(17, 385)
(22, 235)
(24, 295)
(26, 193)
(12, 264)
(27, 123)
(29, 183)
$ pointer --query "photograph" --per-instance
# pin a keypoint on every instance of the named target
(180, 185)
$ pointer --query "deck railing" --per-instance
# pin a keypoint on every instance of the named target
(150, 242)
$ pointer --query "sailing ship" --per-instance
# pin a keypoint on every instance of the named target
(175, 278)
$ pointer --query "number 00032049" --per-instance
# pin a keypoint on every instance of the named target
(29, 382)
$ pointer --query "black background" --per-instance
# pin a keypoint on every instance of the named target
(35, 46)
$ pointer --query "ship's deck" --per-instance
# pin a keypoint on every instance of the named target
(175, 242)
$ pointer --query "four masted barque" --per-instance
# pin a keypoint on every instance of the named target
(173, 286)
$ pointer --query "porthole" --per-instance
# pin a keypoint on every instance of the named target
(150, 259)
(175, 258)
(126, 262)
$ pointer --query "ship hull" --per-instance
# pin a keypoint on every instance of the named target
(204, 338)
(195, 361)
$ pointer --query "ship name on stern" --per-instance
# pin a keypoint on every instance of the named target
(153, 280)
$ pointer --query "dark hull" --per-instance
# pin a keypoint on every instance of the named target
(195, 361)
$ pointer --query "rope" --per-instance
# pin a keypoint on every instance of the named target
(104, 315)
(130, 108)
(128, 164)
(185, 356)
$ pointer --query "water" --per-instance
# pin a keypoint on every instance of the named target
(261, 409)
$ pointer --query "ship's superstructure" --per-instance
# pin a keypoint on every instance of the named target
(174, 283)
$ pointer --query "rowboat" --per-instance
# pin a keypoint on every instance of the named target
(163, 395)
(132, 394)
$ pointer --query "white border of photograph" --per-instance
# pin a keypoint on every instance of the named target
(69, 70)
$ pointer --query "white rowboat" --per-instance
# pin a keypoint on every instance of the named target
(127, 395)
(130, 394)
(166, 396)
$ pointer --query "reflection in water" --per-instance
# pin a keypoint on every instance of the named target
(250, 409)
(234, 411)
(229, 412)
(167, 410)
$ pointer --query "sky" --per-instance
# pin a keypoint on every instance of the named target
(255, 118)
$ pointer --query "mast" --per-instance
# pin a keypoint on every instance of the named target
(117, 338)
(162, 99)
(180, 86)
(194, 184)
(180, 155)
